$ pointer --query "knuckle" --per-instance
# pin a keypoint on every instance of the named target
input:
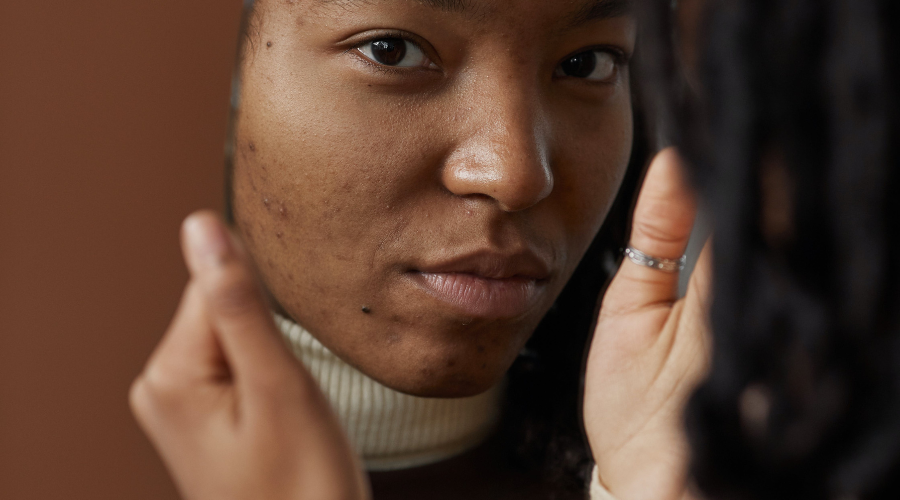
(156, 390)
(657, 230)
(139, 399)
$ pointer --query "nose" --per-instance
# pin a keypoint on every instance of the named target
(503, 154)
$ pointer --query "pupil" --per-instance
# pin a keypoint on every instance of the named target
(389, 51)
(580, 65)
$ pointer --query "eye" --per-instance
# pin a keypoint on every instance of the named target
(595, 65)
(395, 52)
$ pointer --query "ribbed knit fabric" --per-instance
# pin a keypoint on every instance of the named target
(391, 430)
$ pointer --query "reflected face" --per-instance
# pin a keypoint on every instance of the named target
(417, 179)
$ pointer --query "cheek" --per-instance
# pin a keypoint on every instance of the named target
(593, 161)
(323, 190)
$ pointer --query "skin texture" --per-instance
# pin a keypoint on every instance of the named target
(344, 178)
(350, 177)
(222, 398)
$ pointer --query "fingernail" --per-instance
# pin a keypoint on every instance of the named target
(207, 240)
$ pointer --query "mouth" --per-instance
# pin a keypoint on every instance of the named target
(485, 285)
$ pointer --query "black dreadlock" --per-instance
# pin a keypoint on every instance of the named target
(792, 132)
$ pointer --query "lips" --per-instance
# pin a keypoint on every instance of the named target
(485, 285)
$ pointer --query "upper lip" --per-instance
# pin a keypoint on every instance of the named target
(491, 264)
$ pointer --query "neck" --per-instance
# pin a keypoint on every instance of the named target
(389, 429)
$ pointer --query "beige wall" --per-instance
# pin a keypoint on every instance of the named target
(112, 120)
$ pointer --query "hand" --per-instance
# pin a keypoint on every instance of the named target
(650, 350)
(232, 413)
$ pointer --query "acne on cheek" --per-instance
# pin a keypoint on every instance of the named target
(257, 210)
(249, 155)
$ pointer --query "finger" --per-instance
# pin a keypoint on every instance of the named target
(663, 218)
(237, 310)
(187, 358)
(189, 351)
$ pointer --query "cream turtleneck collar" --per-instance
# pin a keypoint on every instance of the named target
(391, 430)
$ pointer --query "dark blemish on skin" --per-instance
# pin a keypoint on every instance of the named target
(483, 366)
(282, 211)
(366, 309)
(252, 146)
(279, 235)
(269, 44)
(451, 363)
(481, 348)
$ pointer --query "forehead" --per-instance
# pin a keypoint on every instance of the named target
(576, 12)
(606, 7)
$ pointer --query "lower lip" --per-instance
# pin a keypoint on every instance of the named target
(476, 296)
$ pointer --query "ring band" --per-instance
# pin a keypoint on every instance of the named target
(660, 264)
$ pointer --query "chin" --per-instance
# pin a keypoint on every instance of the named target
(417, 347)
(451, 369)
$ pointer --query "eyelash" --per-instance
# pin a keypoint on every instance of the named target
(382, 68)
(619, 56)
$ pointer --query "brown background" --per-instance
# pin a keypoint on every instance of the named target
(112, 123)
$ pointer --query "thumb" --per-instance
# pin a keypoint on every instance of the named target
(237, 310)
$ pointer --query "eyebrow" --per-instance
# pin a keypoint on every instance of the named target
(445, 5)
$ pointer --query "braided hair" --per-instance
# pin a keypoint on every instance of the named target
(791, 126)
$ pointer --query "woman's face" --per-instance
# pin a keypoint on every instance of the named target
(417, 179)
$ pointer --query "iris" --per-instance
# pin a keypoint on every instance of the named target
(389, 51)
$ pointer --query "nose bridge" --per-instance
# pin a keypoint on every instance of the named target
(503, 153)
(514, 121)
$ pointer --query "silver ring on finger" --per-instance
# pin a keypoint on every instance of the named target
(658, 263)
